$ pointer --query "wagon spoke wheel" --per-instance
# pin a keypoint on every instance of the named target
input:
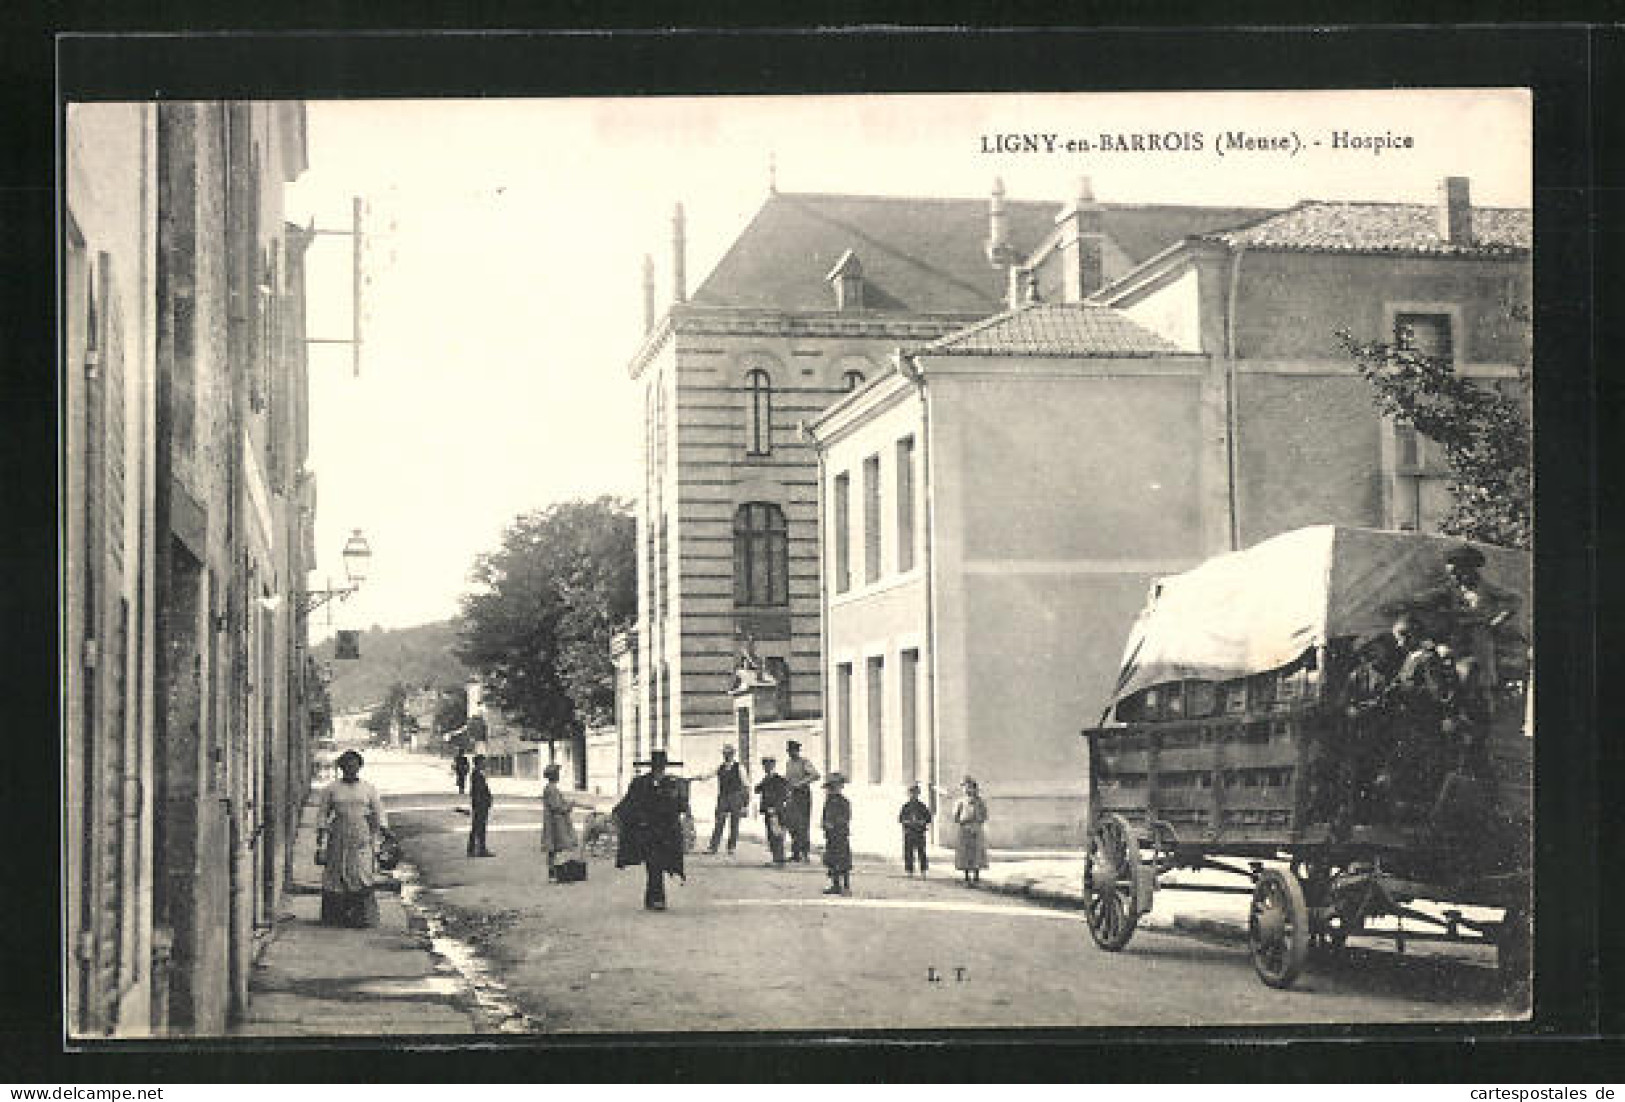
(1114, 881)
(1278, 928)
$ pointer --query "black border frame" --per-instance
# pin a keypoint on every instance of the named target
(1575, 72)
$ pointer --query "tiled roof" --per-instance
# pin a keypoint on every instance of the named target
(1053, 329)
(917, 255)
(1318, 226)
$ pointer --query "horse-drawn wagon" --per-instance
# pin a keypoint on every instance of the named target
(1271, 720)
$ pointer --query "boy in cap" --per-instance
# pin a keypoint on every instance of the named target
(837, 837)
(774, 790)
(916, 819)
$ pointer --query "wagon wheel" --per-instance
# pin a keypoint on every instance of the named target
(1278, 928)
(1114, 882)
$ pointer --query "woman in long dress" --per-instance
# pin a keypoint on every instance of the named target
(558, 832)
(351, 819)
(970, 815)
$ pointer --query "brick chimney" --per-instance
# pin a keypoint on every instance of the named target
(648, 292)
(679, 247)
(999, 251)
(1455, 211)
(1083, 245)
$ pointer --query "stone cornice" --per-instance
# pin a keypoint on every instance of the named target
(689, 320)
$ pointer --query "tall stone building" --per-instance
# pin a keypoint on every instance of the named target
(808, 304)
(187, 517)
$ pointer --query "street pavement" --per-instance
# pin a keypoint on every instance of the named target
(746, 946)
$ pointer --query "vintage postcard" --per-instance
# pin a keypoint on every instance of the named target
(828, 563)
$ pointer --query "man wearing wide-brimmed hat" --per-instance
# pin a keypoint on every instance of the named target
(837, 823)
(651, 821)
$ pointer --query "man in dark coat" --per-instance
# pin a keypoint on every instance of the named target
(651, 822)
(479, 800)
(774, 790)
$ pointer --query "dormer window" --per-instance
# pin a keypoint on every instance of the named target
(847, 279)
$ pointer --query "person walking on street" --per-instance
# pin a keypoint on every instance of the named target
(970, 815)
(916, 820)
(350, 821)
(479, 803)
(799, 774)
(774, 791)
(460, 768)
(732, 800)
(651, 819)
(558, 833)
(837, 823)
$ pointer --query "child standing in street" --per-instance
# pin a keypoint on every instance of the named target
(837, 837)
(970, 813)
(916, 819)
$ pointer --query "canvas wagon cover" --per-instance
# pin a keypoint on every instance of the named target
(1256, 610)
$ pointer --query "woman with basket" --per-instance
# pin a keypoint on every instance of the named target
(351, 824)
(558, 832)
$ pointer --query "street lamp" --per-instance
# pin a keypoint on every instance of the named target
(357, 565)
(357, 558)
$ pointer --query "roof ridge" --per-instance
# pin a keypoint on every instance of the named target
(907, 257)
(866, 197)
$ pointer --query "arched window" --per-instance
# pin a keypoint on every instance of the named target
(759, 413)
(761, 555)
(852, 380)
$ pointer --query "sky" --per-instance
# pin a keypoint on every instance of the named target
(505, 243)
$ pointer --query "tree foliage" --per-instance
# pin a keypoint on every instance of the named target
(537, 628)
(1483, 432)
(451, 712)
(389, 711)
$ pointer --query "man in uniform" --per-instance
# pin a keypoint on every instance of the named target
(800, 775)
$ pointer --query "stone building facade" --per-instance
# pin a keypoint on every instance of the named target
(187, 519)
(807, 305)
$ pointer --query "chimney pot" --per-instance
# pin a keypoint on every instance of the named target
(648, 292)
(679, 246)
(1455, 211)
(999, 252)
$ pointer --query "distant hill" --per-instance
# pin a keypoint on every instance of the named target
(418, 656)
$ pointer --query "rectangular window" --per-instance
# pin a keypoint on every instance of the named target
(871, 519)
(843, 715)
(1428, 334)
(877, 757)
(843, 532)
(905, 504)
(908, 678)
